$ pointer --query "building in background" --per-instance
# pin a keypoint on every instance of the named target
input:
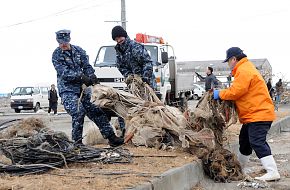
(221, 70)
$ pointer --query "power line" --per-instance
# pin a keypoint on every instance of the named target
(70, 10)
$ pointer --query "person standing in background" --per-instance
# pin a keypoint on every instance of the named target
(210, 79)
(279, 90)
(52, 98)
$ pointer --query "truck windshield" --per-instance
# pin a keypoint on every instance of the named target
(23, 91)
(107, 56)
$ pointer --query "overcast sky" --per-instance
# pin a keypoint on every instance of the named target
(198, 30)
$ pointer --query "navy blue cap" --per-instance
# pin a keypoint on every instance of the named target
(63, 36)
(233, 51)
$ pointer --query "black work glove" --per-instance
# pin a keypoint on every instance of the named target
(86, 80)
(146, 80)
(94, 79)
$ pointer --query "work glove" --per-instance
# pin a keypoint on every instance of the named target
(216, 94)
(146, 80)
(94, 79)
(86, 80)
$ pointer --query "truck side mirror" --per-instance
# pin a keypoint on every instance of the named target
(164, 57)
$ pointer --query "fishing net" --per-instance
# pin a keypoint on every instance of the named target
(222, 166)
(217, 115)
(44, 149)
(151, 123)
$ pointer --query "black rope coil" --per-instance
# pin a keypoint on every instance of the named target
(48, 149)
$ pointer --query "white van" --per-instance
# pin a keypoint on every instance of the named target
(29, 98)
(198, 91)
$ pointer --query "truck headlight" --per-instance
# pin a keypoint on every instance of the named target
(30, 100)
(12, 101)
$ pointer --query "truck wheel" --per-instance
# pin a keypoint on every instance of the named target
(17, 110)
(195, 97)
(37, 107)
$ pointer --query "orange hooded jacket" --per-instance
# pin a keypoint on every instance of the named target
(249, 91)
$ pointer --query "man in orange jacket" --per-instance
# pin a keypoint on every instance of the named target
(255, 110)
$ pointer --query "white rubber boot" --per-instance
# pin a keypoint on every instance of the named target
(270, 166)
(243, 159)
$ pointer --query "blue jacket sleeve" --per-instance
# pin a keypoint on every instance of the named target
(201, 78)
(88, 70)
(62, 69)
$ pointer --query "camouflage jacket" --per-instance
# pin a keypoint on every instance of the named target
(133, 58)
(69, 66)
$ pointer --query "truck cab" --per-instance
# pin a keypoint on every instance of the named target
(164, 67)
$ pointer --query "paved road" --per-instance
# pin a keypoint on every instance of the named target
(61, 122)
(280, 145)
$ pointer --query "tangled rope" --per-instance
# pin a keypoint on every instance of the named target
(219, 164)
(216, 115)
(222, 166)
(200, 132)
(48, 149)
(141, 89)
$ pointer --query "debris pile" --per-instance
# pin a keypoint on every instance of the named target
(151, 123)
(219, 164)
(216, 115)
(222, 166)
(36, 149)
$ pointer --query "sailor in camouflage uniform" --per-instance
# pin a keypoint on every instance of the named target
(73, 69)
(132, 57)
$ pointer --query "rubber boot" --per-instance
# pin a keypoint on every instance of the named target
(115, 141)
(270, 166)
(243, 159)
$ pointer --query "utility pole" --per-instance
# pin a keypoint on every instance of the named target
(123, 14)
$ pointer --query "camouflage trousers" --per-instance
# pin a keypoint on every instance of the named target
(85, 108)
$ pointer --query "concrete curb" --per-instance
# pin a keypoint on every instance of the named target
(283, 125)
(183, 178)
(189, 175)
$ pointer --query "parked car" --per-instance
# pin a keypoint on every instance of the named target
(198, 91)
(29, 98)
(287, 86)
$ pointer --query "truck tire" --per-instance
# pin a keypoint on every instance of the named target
(195, 97)
(37, 107)
(17, 110)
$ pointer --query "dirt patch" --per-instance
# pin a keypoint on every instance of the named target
(147, 163)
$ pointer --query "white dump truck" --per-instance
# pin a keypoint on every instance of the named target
(173, 85)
